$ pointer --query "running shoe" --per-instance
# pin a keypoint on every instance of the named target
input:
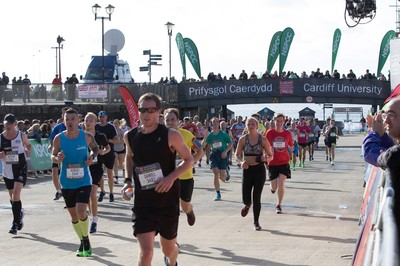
(218, 197)
(332, 162)
(207, 161)
(116, 180)
(57, 196)
(228, 176)
(257, 226)
(88, 253)
(111, 197)
(199, 164)
(166, 261)
(13, 229)
(310, 158)
(278, 209)
(101, 196)
(93, 228)
(294, 167)
(79, 251)
(330, 158)
(191, 218)
(21, 220)
(327, 158)
(244, 211)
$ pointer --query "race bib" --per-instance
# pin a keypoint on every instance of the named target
(217, 145)
(278, 145)
(332, 134)
(75, 171)
(12, 157)
(311, 135)
(149, 175)
(302, 135)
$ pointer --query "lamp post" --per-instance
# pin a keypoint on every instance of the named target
(169, 26)
(59, 41)
(109, 9)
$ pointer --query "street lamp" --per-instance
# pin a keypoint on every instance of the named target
(59, 41)
(96, 9)
(169, 26)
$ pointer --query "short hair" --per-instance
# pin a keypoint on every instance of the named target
(172, 110)
(71, 111)
(91, 114)
(151, 97)
(279, 115)
(250, 119)
(256, 116)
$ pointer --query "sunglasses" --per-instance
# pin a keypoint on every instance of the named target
(149, 110)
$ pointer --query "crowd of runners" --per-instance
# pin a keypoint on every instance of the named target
(86, 149)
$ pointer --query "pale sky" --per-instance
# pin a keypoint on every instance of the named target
(230, 35)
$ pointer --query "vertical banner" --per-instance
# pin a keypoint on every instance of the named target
(273, 51)
(193, 55)
(335, 47)
(284, 46)
(385, 50)
(131, 106)
(181, 49)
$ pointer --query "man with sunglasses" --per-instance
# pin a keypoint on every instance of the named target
(150, 161)
(377, 140)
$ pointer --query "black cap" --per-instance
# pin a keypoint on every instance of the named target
(9, 118)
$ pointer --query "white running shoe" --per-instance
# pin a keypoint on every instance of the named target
(332, 162)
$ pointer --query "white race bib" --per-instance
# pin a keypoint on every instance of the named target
(217, 145)
(278, 144)
(311, 135)
(149, 175)
(332, 134)
(12, 157)
(75, 171)
(302, 135)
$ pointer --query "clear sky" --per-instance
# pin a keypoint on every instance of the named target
(230, 35)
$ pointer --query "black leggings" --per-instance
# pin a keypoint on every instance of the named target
(253, 179)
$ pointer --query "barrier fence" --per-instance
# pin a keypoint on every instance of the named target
(378, 242)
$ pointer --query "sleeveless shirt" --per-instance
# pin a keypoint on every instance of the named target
(148, 149)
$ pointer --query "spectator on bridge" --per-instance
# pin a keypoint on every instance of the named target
(367, 75)
(336, 74)
(351, 75)
(327, 75)
(219, 77)
(266, 75)
(211, 77)
(3, 86)
(382, 77)
(173, 80)
(253, 75)
(275, 75)
(56, 88)
(232, 77)
(243, 75)
(303, 75)
(318, 74)
(26, 84)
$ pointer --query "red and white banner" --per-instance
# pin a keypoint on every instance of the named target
(131, 106)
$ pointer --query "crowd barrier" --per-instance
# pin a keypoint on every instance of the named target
(40, 156)
(378, 242)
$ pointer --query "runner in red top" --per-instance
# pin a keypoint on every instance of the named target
(279, 168)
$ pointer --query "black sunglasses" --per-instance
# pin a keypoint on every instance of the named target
(149, 110)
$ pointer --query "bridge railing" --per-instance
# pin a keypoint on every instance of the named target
(85, 93)
(378, 241)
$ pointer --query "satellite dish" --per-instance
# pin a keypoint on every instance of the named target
(114, 41)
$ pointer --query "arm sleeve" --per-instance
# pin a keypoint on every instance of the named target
(372, 146)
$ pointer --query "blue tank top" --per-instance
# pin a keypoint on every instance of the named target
(74, 172)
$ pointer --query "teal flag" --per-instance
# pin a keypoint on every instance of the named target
(193, 55)
(385, 50)
(335, 47)
(284, 47)
(181, 49)
(273, 51)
